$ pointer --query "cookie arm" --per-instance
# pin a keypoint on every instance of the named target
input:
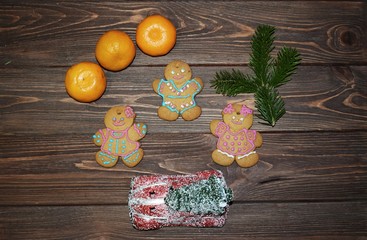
(258, 140)
(155, 85)
(213, 126)
(137, 131)
(97, 138)
(200, 81)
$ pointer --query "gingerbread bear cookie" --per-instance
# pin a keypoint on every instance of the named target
(120, 138)
(235, 140)
(178, 91)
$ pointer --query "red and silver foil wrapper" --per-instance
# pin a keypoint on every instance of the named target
(148, 209)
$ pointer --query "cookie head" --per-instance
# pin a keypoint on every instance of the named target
(178, 71)
(237, 116)
(119, 118)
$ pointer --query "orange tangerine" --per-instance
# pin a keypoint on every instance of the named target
(115, 50)
(85, 81)
(156, 35)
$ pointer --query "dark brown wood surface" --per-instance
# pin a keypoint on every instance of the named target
(311, 182)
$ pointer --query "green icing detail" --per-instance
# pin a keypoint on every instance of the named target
(112, 159)
(133, 159)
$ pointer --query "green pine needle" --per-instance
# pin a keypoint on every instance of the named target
(269, 104)
(285, 66)
(260, 58)
(233, 83)
(268, 74)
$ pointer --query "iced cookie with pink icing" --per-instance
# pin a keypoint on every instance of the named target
(178, 91)
(235, 139)
(120, 138)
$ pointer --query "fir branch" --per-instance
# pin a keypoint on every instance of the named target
(285, 66)
(269, 104)
(233, 83)
(260, 58)
(268, 74)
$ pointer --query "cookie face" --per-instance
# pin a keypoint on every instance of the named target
(237, 116)
(178, 71)
(119, 118)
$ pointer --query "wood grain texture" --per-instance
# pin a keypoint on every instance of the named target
(337, 103)
(245, 221)
(208, 32)
(295, 167)
(311, 181)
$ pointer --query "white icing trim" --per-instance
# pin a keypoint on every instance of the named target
(238, 157)
(227, 154)
(248, 154)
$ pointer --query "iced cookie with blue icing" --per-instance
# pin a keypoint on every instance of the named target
(178, 91)
(120, 138)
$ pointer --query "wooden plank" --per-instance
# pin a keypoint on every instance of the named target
(299, 166)
(311, 182)
(334, 220)
(32, 99)
(213, 32)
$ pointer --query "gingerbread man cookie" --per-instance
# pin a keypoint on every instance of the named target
(178, 91)
(235, 140)
(120, 138)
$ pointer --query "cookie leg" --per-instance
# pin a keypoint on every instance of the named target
(166, 114)
(106, 160)
(192, 113)
(134, 158)
(222, 159)
(248, 161)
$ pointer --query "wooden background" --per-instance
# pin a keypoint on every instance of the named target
(310, 183)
